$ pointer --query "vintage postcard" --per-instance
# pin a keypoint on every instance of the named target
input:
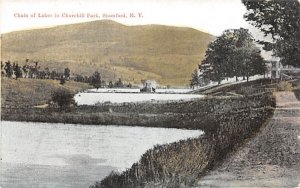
(150, 93)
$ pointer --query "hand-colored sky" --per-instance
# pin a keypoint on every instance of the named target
(213, 16)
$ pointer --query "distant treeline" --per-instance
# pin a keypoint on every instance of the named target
(31, 69)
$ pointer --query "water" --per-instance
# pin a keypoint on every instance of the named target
(94, 98)
(66, 155)
(132, 90)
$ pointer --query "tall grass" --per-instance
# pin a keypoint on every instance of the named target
(179, 164)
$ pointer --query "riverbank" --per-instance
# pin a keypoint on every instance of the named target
(227, 122)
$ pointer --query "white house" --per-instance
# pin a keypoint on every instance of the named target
(278, 71)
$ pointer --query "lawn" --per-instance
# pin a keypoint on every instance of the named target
(27, 92)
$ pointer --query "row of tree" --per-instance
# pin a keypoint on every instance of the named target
(97, 82)
(235, 52)
(32, 70)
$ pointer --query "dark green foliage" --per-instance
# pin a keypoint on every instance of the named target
(232, 54)
(279, 19)
(63, 98)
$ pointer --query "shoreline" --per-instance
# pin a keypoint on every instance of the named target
(194, 114)
(182, 163)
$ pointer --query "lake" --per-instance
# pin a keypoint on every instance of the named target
(92, 98)
(67, 155)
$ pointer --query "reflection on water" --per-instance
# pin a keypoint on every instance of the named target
(65, 155)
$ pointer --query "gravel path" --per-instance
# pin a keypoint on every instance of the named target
(271, 159)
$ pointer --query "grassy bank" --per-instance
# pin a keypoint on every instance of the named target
(196, 114)
(180, 164)
(26, 93)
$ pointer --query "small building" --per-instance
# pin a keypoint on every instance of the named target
(279, 71)
(149, 86)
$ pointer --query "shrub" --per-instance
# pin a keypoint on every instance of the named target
(63, 98)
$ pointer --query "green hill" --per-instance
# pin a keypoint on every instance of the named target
(163, 53)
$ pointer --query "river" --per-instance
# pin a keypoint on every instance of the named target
(67, 155)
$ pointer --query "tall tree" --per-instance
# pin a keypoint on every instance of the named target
(279, 19)
(231, 54)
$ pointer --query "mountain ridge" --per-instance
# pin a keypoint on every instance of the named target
(167, 54)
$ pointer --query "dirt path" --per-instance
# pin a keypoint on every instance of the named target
(271, 159)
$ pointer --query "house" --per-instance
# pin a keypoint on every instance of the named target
(149, 86)
(279, 71)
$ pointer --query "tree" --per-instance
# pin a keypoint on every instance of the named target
(63, 98)
(119, 83)
(8, 69)
(231, 54)
(62, 80)
(96, 80)
(2, 66)
(251, 61)
(195, 79)
(18, 72)
(47, 73)
(279, 19)
(25, 70)
(53, 75)
(110, 84)
(67, 73)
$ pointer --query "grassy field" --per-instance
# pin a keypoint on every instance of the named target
(31, 92)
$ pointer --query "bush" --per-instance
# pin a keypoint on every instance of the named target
(63, 98)
(285, 86)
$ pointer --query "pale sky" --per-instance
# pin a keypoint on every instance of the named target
(212, 16)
